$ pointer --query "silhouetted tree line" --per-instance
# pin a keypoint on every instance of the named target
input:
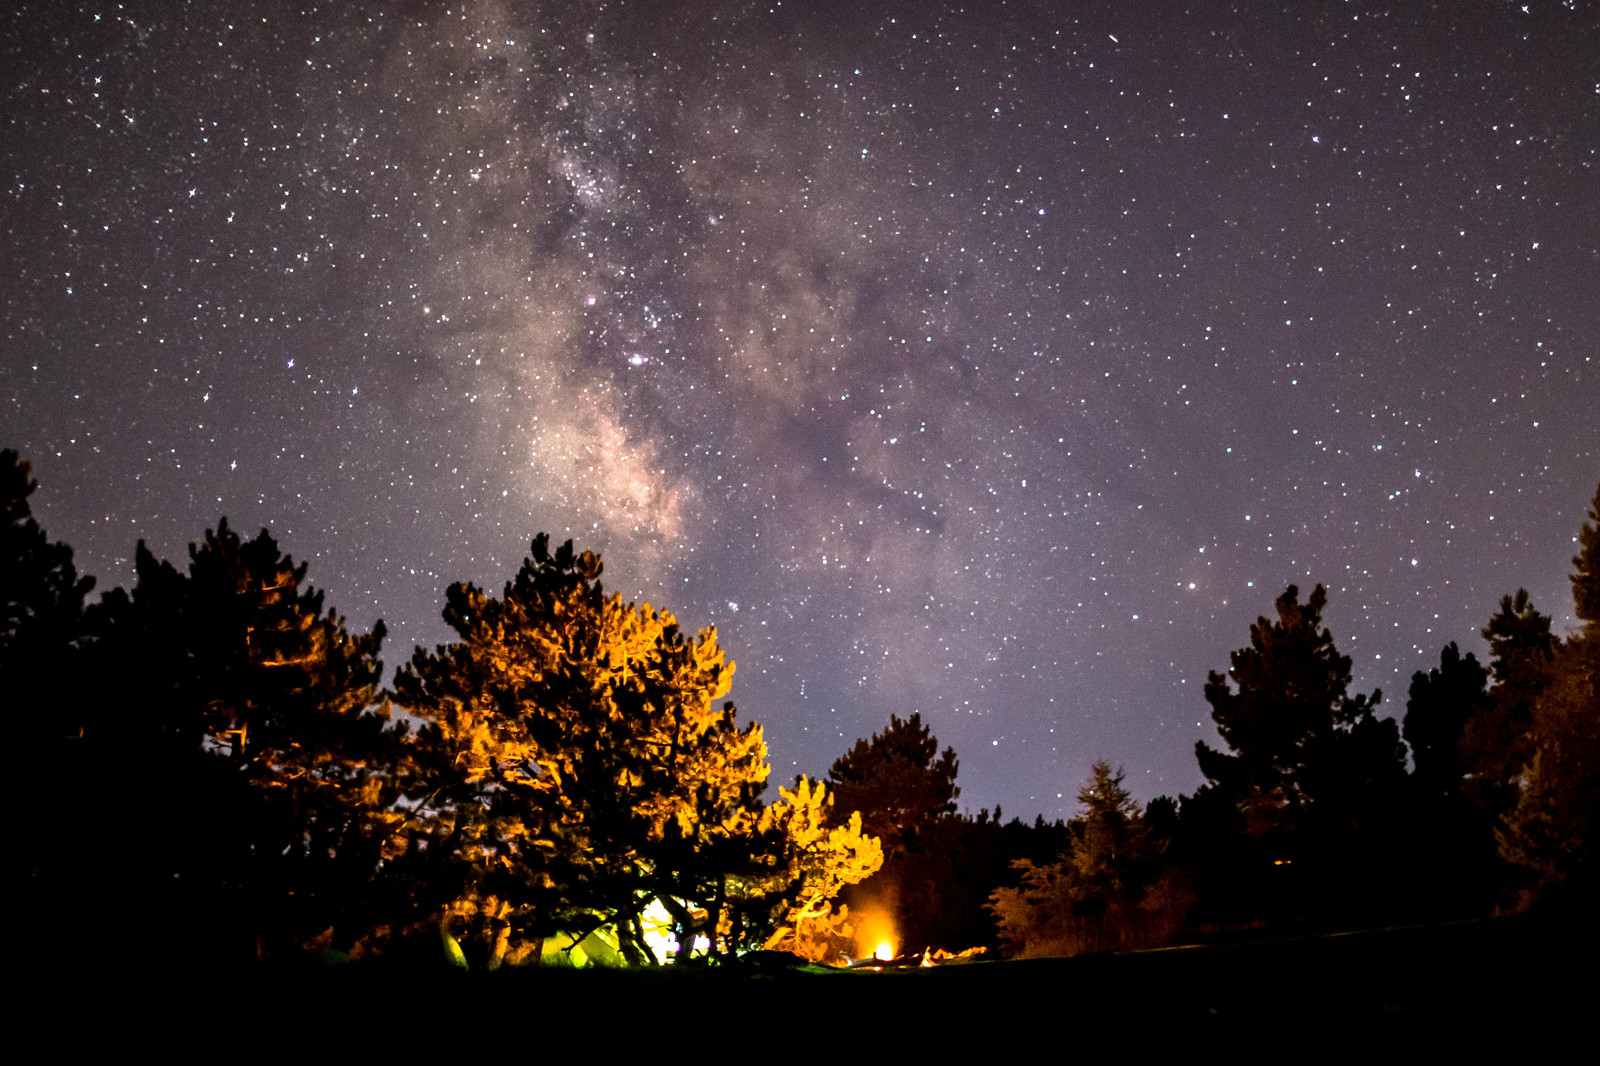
(950, 881)
(208, 769)
(207, 765)
(1310, 816)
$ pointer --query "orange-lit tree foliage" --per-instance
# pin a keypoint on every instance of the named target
(574, 768)
(817, 861)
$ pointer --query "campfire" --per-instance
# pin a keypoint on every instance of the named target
(878, 948)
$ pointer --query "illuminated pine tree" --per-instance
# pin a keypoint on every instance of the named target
(575, 765)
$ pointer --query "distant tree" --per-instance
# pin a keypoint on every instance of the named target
(1110, 840)
(1108, 891)
(574, 770)
(1496, 744)
(905, 791)
(1442, 702)
(1307, 756)
(1161, 818)
(898, 781)
(1297, 820)
(1552, 828)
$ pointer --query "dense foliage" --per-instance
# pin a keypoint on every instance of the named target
(1109, 890)
(1552, 828)
(898, 779)
(580, 772)
(565, 782)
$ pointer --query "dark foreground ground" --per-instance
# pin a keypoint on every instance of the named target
(1526, 976)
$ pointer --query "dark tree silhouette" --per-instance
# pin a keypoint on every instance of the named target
(1313, 775)
(41, 638)
(39, 582)
(1442, 702)
(41, 604)
(1496, 744)
(906, 792)
(1552, 829)
(241, 745)
(1303, 749)
(898, 781)
(1451, 863)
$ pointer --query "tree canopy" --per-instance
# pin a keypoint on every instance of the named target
(1441, 703)
(1551, 829)
(898, 780)
(580, 771)
(567, 780)
(41, 594)
(237, 758)
(1304, 750)
(1107, 890)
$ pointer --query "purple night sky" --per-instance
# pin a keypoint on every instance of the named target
(998, 361)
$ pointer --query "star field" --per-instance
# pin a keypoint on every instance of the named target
(1000, 362)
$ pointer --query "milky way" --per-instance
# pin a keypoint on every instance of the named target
(1000, 363)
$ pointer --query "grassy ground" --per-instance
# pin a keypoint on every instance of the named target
(1490, 979)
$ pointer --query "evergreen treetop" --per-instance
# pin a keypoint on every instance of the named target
(1304, 749)
(1586, 570)
(41, 594)
(579, 770)
(898, 780)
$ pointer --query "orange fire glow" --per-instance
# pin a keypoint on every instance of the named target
(875, 937)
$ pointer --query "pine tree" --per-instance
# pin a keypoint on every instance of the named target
(41, 610)
(245, 741)
(898, 781)
(1552, 829)
(1451, 862)
(575, 769)
(1441, 704)
(1108, 891)
(1308, 759)
(1109, 843)
(905, 791)
(1496, 744)
(42, 631)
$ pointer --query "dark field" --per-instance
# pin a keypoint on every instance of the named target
(1489, 979)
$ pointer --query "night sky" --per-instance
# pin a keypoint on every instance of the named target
(1000, 362)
